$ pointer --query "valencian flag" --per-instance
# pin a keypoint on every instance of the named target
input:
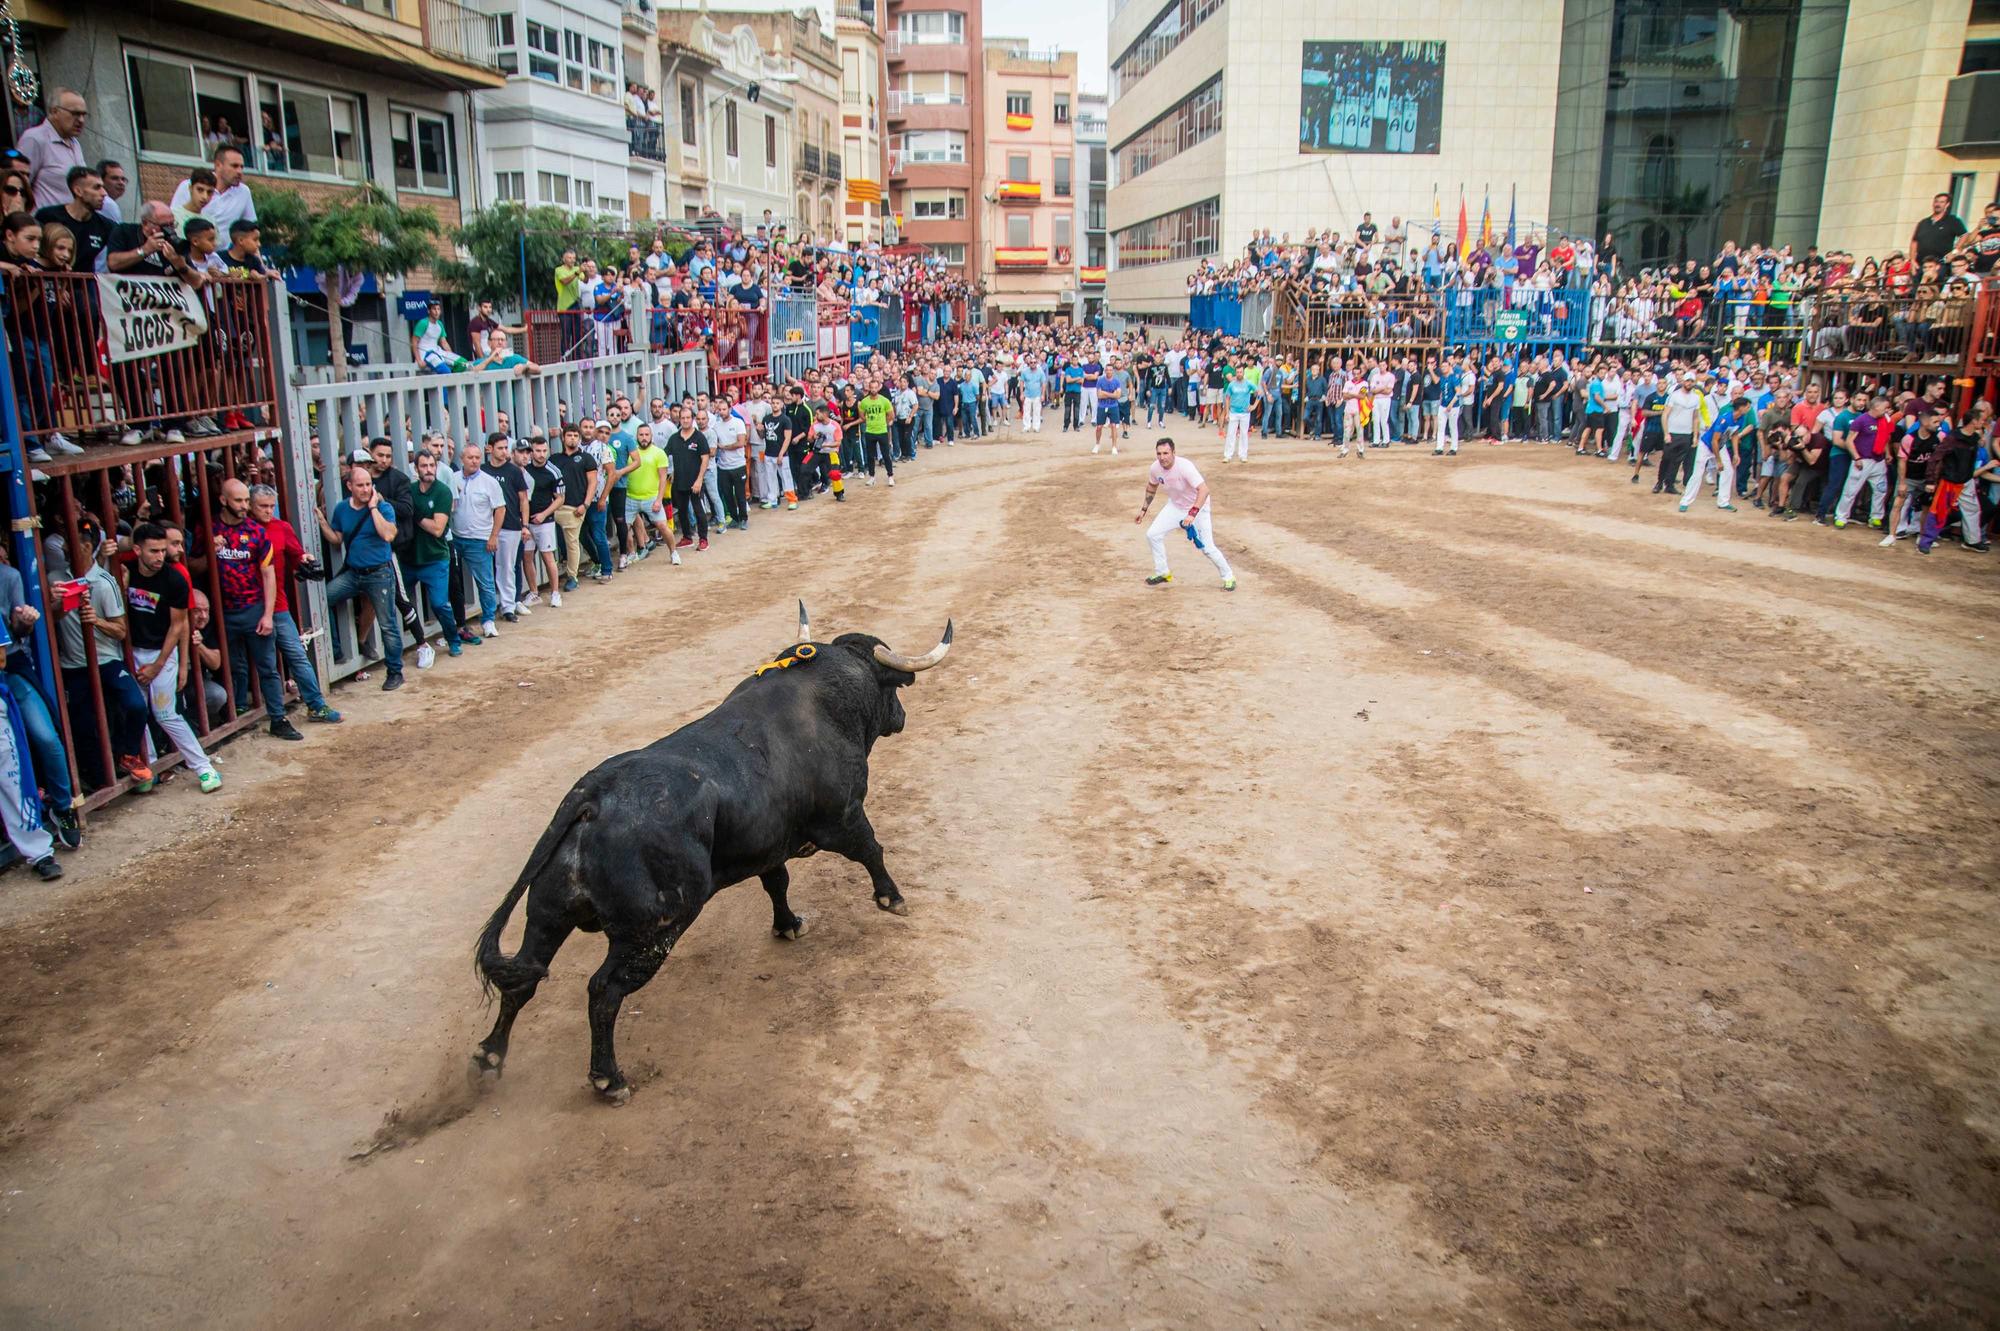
(1486, 222)
(1016, 120)
(1462, 237)
(1437, 216)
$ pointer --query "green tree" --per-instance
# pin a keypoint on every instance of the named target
(363, 234)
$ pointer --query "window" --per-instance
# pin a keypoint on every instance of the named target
(687, 113)
(953, 255)
(310, 133)
(504, 54)
(1198, 117)
(544, 52)
(509, 186)
(1061, 229)
(573, 58)
(932, 28)
(170, 111)
(1961, 193)
(1061, 175)
(603, 69)
(850, 77)
(1017, 167)
(1020, 230)
(1062, 108)
(1175, 22)
(421, 145)
(1020, 104)
(609, 205)
(937, 205)
(729, 127)
(582, 193)
(552, 188)
(934, 145)
(1185, 233)
(770, 140)
(941, 88)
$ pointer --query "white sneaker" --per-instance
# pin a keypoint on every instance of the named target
(677, 558)
(522, 609)
(174, 436)
(624, 562)
(892, 482)
(60, 443)
(1114, 450)
(869, 481)
(1886, 540)
(534, 598)
(1093, 448)
(40, 454)
(426, 658)
(131, 439)
(488, 630)
(555, 599)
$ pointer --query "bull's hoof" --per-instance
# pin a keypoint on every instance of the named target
(486, 1066)
(611, 1090)
(795, 932)
(894, 905)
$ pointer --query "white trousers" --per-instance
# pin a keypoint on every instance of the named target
(506, 563)
(1169, 524)
(1350, 421)
(1378, 419)
(1031, 413)
(1619, 436)
(774, 477)
(1448, 427)
(1873, 473)
(164, 696)
(1725, 477)
(1237, 435)
(31, 839)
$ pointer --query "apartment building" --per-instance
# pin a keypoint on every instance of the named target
(741, 114)
(937, 124)
(1028, 184)
(555, 133)
(858, 29)
(1093, 156)
(647, 138)
(318, 102)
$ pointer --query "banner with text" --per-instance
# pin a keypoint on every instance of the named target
(146, 316)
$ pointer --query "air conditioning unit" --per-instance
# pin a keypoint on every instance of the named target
(1067, 296)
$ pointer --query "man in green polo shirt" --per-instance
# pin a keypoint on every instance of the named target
(876, 413)
(430, 553)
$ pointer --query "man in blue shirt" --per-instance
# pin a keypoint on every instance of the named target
(1072, 387)
(1239, 394)
(1033, 380)
(1719, 443)
(365, 526)
(1109, 384)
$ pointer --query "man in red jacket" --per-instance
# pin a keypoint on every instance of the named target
(286, 555)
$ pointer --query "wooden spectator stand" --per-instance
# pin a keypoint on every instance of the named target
(1308, 327)
(229, 375)
(1903, 341)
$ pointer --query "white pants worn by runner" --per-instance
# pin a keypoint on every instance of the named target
(506, 563)
(1873, 473)
(1378, 419)
(1725, 477)
(31, 839)
(164, 696)
(1169, 523)
(1237, 436)
(1031, 413)
(1448, 427)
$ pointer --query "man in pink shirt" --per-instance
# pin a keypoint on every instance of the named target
(1187, 508)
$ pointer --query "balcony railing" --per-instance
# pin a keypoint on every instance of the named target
(649, 139)
(830, 165)
(895, 103)
(1870, 328)
(639, 13)
(809, 159)
(458, 32)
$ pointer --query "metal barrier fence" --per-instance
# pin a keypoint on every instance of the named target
(1522, 314)
(66, 383)
(793, 320)
(1910, 330)
(792, 362)
(835, 335)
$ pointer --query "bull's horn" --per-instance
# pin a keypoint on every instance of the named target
(897, 661)
(805, 625)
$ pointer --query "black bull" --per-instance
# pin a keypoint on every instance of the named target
(640, 844)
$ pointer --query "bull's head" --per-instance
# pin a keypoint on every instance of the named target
(891, 669)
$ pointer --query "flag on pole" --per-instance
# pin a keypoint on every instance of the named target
(1510, 218)
(1437, 216)
(1486, 222)
(1462, 237)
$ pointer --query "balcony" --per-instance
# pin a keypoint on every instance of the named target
(639, 16)
(1020, 256)
(649, 139)
(458, 32)
(830, 165)
(1091, 275)
(895, 104)
(1971, 125)
(810, 160)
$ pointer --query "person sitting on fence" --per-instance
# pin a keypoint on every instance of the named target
(431, 345)
(499, 349)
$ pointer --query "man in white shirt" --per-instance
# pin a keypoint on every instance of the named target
(51, 148)
(231, 202)
(1683, 409)
(475, 528)
(1187, 508)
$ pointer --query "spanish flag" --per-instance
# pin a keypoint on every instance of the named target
(1015, 121)
(1090, 274)
(1020, 189)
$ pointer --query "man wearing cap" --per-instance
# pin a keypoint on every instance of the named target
(507, 463)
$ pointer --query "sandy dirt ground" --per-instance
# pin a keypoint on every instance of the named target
(1516, 906)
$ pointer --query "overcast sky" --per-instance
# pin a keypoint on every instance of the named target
(1070, 25)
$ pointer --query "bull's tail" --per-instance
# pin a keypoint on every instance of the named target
(494, 969)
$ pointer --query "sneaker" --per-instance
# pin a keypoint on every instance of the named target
(40, 454)
(555, 598)
(203, 426)
(507, 615)
(1683, 508)
(1229, 584)
(1980, 548)
(522, 609)
(892, 482)
(1114, 450)
(1875, 522)
(326, 716)
(1888, 540)
(488, 631)
(533, 598)
(792, 506)
(174, 436)
(684, 542)
(624, 562)
(1725, 508)
(869, 481)
(426, 656)
(701, 544)
(1923, 549)
(676, 557)
(1657, 488)
(1435, 452)
(282, 728)
(132, 765)
(64, 827)
(209, 781)
(131, 439)
(569, 585)
(47, 869)
(392, 682)
(60, 443)
(1093, 447)
(1159, 579)
(1840, 524)
(1757, 503)
(453, 648)
(1635, 481)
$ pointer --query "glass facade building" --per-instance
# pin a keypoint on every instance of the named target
(1684, 123)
